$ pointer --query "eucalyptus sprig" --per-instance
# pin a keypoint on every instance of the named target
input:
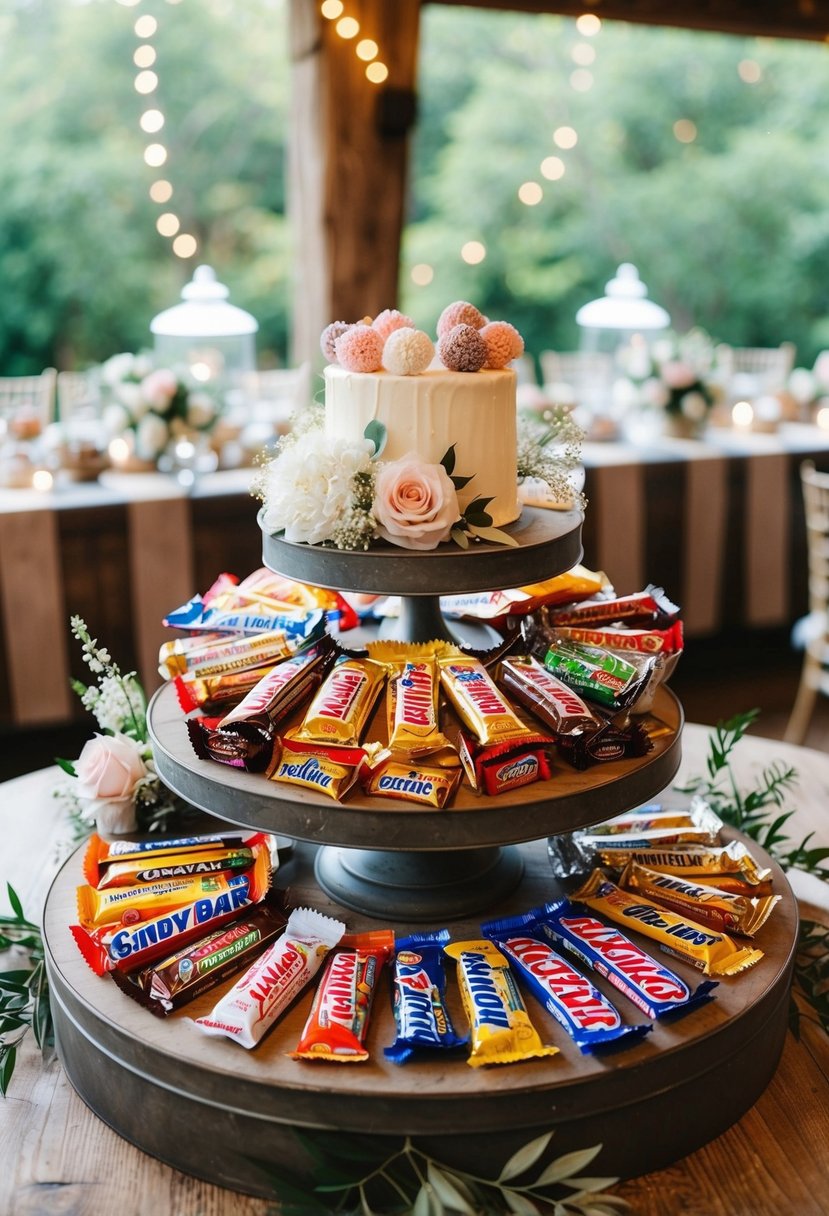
(359, 1175)
(476, 522)
(24, 989)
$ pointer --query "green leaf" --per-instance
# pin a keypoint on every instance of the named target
(449, 1196)
(522, 1205)
(377, 434)
(66, 765)
(525, 1157)
(448, 460)
(460, 538)
(17, 907)
(495, 536)
(589, 1186)
(568, 1165)
(8, 1057)
(423, 1203)
(461, 482)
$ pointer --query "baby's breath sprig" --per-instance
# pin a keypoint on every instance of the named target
(549, 449)
(118, 701)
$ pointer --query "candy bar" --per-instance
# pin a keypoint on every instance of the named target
(339, 712)
(505, 766)
(178, 865)
(642, 641)
(146, 901)
(419, 985)
(267, 988)
(337, 1024)
(710, 906)
(99, 853)
(654, 989)
(216, 694)
(411, 698)
(586, 1014)
(177, 979)
(500, 1026)
(713, 953)
(648, 607)
(226, 655)
(316, 771)
(601, 675)
(422, 784)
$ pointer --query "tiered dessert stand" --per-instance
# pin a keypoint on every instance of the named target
(212, 1109)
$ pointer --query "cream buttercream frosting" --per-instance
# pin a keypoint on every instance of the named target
(427, 414)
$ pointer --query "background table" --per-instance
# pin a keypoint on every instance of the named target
(62, 1158)
(718, 523)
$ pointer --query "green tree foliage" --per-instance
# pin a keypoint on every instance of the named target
(83, 268)
(729, 231)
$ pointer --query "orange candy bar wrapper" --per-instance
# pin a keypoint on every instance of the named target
(713, 953)
(429, 785)
(337, 1024)
(180, 865)
(126, 948)
(710, 906)
(102, 854)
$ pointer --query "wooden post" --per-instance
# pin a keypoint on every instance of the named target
(347, 164)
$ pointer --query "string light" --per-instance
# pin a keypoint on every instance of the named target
(422, 274)
(588, 25)
(565, 137)
(749, 71)
(530, 193)
(553, 168)
(473, 252)
(366, 49)
(685, 131)
(152, 120)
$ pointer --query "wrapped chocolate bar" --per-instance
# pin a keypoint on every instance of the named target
(639, 641)
(712, 952)
(216, 694)
(698, 814)
(419, 987)
(603, 676)
(583, 736)
(648, 608)
(428, 785)
(233, 653)
(267, 988)
(100, 854)
(500, 1026)
(658, 992)
(340, 711)
(338, 1022)
(411, 697)
(578, 583)
(212, 862)
(180, 977)
(244, 737)
(331, 772)
(711, 906)
(586, 1014)
(499, 752)
(129, 947)
(147, 901)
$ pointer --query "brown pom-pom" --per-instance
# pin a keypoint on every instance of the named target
(462, 349)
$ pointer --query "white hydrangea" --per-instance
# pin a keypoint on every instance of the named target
(151, 437)
(308, 487)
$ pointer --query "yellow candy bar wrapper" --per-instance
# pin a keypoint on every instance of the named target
(712, 953)
(428, 785)
(719, 910)
(699, 816)
(500, 1026)
(411, 697)
(690, 860)
(339, 712)
(130, 905)
(478, 702)
(315, 771)
(735, 884)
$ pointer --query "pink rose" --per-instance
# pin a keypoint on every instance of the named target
(678, 374)
(415, 504)
(109, 770)
(159, 388)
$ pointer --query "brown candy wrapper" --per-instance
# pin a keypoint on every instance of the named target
(706, 905)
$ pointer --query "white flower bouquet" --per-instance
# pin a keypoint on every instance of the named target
(155, 405)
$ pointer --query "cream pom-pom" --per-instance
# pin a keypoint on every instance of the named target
(459, 313)
(462, 349)
(360, 349)
(387, 321)
(407, 352)
(503, 343)
(329, 336)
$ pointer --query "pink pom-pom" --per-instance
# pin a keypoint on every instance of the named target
(459, 313)
(407, 352)
(360, 349)
(462, 349)
(329, 336)
(387, 321)
(503, 343)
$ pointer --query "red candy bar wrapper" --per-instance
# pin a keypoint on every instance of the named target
(179, 978)
(126, 948)
(643, 608)
(337, 1024)
(643, 641)
(216, 694)
(506, 766)
(265, 991)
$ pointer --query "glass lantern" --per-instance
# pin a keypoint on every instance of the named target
(211, 338)
(616, 333)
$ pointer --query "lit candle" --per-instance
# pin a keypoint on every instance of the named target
(742, 415)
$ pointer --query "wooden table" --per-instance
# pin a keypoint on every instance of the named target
(62, 1158)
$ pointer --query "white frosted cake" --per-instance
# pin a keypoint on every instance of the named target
(430, 412)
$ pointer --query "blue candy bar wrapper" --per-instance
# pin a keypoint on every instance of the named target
(419, 987)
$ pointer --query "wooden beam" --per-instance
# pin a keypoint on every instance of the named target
(348, 159)
(807, 19)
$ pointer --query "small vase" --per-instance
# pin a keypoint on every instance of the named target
(677, 426)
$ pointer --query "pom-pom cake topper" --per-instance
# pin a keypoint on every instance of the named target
(467, 342)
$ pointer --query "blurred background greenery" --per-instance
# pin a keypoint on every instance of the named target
(703, 159)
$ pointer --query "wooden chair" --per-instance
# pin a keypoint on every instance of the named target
(811, 633)
(277, 393)
(79, 394)
(751, 371)
(35, 394)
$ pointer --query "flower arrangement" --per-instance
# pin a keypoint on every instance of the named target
(153, 405)
(115, 785)
(323, 489)
(676, 376)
